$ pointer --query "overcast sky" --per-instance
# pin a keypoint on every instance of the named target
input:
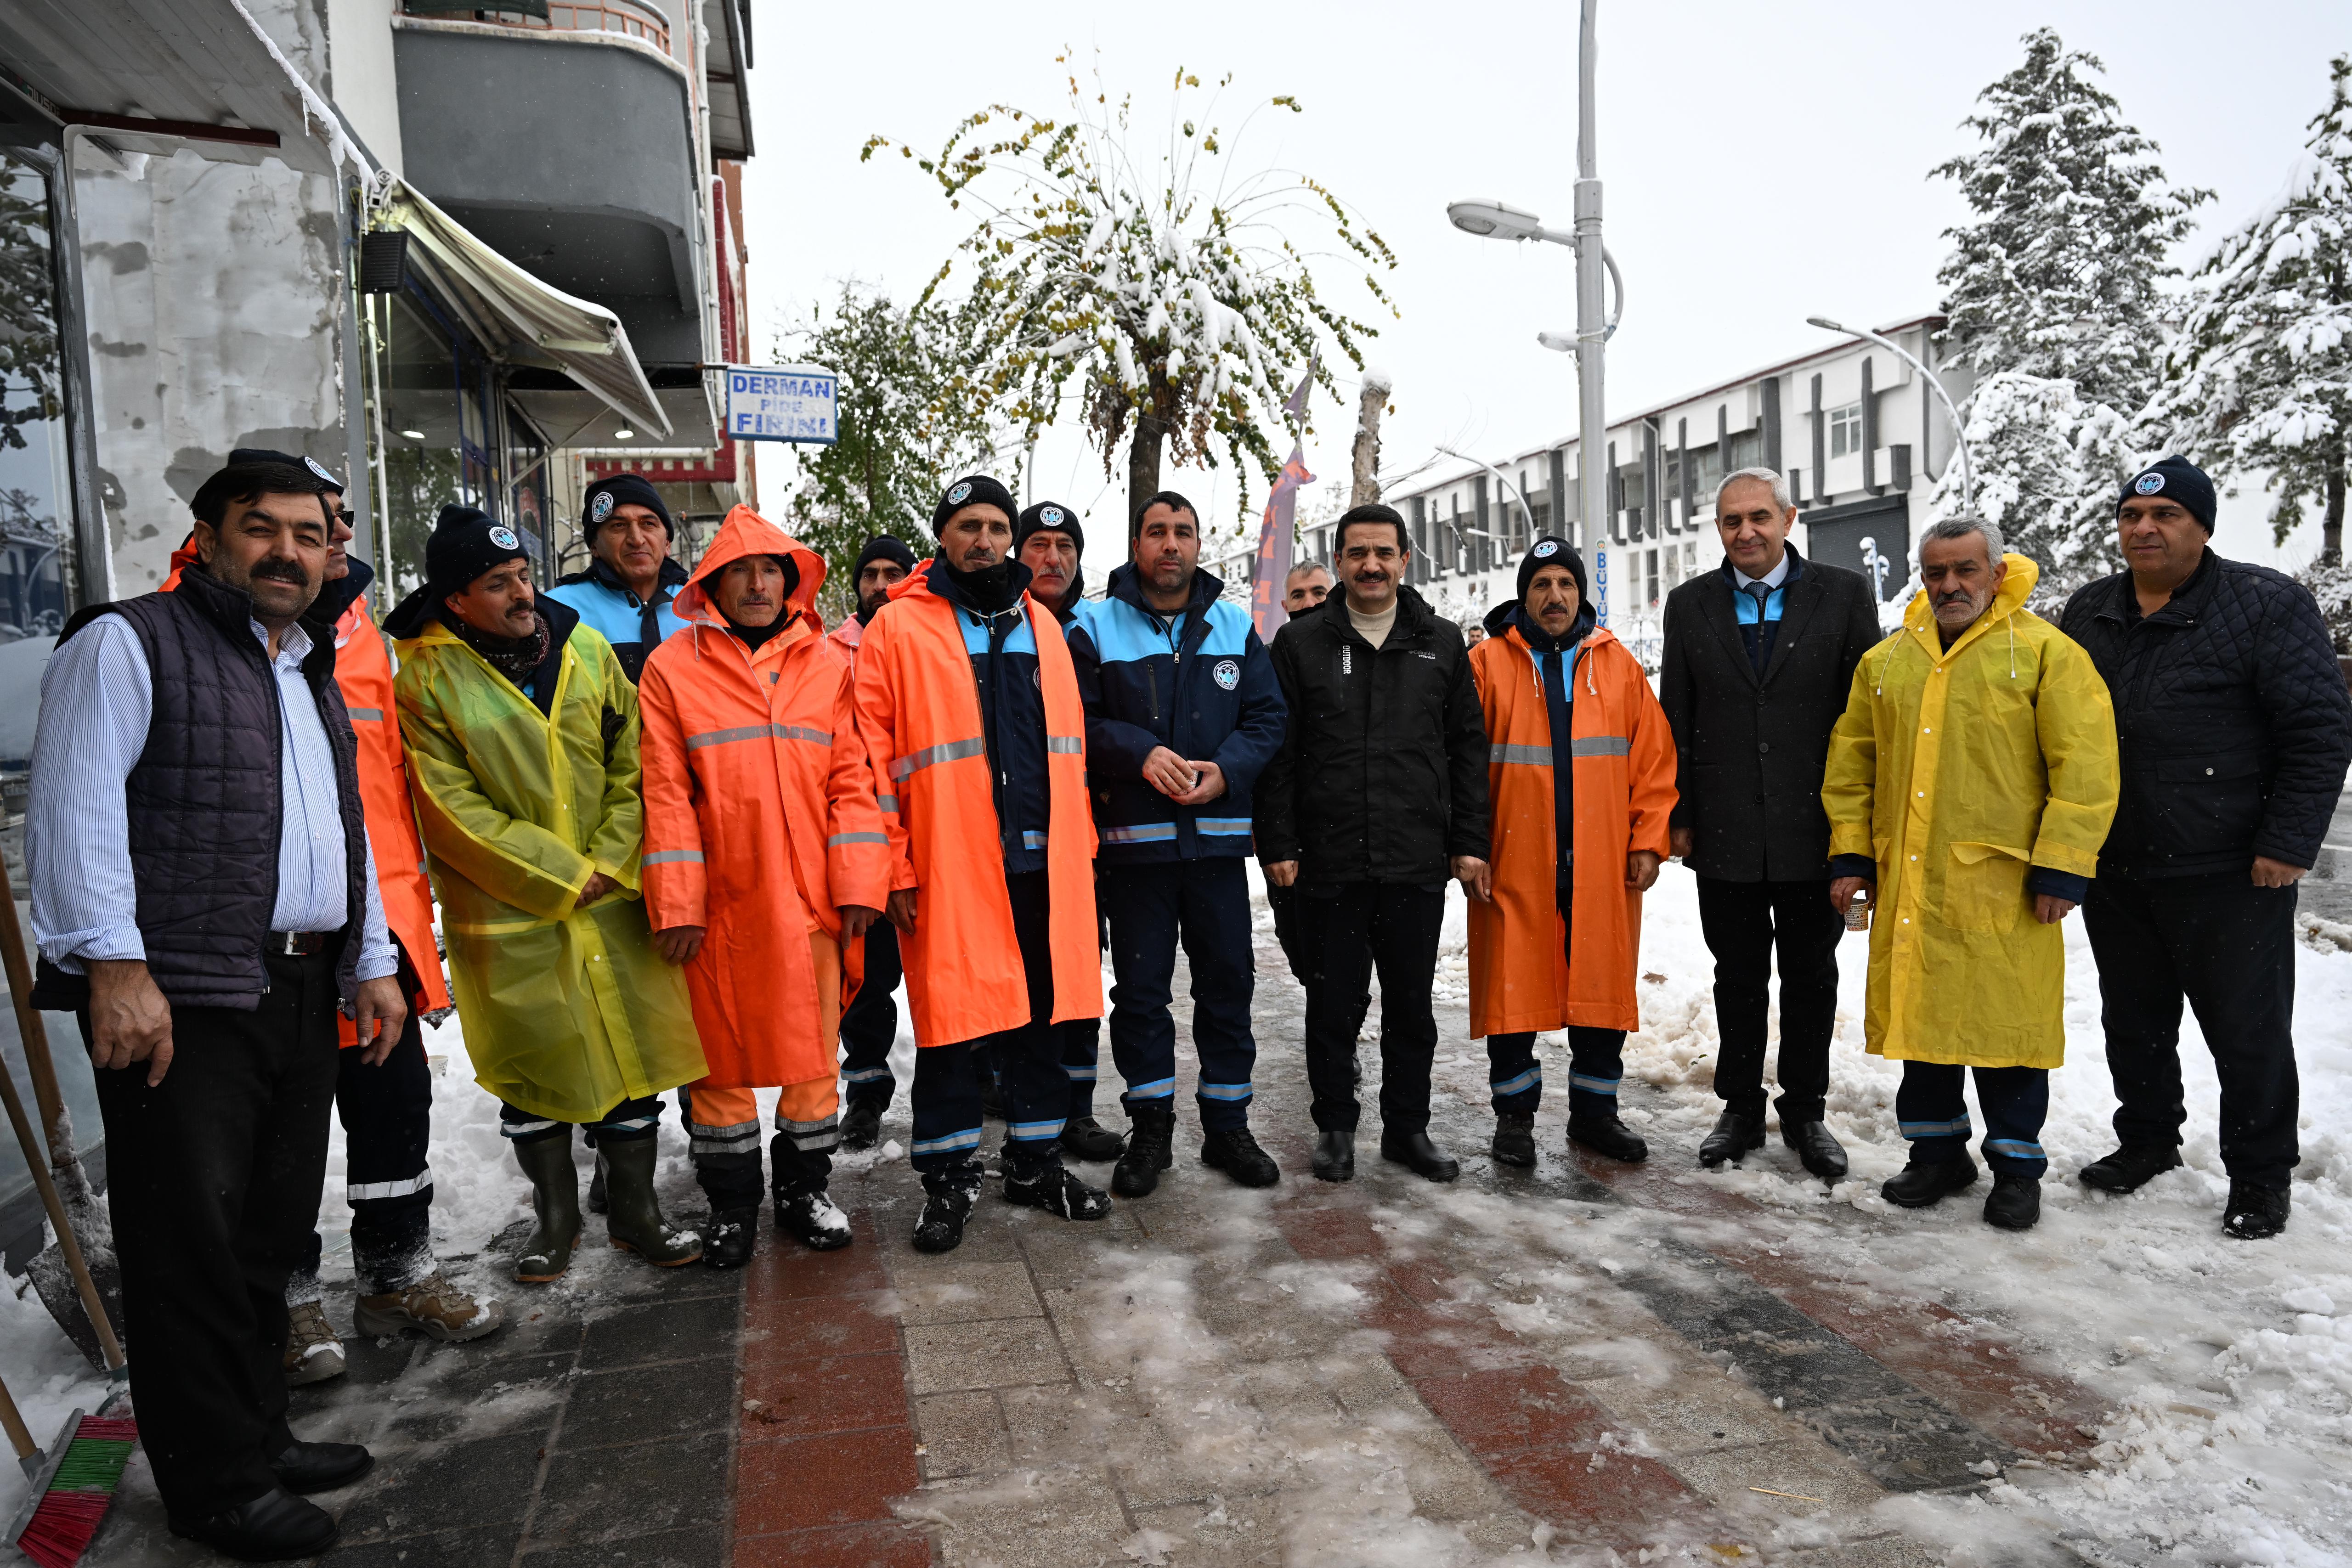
(1762, 164)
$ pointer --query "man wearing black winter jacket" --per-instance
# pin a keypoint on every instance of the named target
(1377, 797)
(2235, 729)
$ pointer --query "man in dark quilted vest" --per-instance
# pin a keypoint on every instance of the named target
(205, 901)
(2234, 729)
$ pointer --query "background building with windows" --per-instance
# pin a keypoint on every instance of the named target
(1858, 432)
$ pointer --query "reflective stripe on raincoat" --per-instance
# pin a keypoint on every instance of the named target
(920, 711)
(1961, 971)
(567, 1011)
(1521, 979)
(759, 816)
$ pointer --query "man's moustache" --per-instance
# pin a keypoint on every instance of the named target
(283, 571)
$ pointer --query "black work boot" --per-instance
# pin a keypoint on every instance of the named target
(2254, 1213)
(1917, 1185)
(597, 1202)
(1515, 1137)
(946, 1204)
(1335, 1155)
(809, 1216)
(861, 1124)
(1237, 1154)
(1736, 1136)
(635, 1224)
(1040, 1180)
(1602, 1133)
(1425, 1158)
(555, 1204)
(1150, 1149)
(2131, 1167)
(2015, 1201)
(727, 1238)
(1821, 1152)
(1083, 1138)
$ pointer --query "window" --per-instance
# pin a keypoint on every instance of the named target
(1846, 430)
(1650, 576)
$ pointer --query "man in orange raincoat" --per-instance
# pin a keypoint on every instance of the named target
(764, 857)
(384, 1094)
(1581, 772)
(969, 705)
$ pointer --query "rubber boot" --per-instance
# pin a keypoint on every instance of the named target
(555, 1200)
(596, 1202)
(1150, 1148)
(636, 1223)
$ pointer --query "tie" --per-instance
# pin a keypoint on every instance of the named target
(1759, 649)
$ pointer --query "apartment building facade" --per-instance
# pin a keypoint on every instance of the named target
(1857, 431)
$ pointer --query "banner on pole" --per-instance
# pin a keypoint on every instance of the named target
(1274, 541)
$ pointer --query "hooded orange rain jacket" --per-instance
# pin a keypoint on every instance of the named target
(1521, 977)
(919, 710)
(363, 671)
(760, 817)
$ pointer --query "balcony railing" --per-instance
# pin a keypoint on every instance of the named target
(629, 18)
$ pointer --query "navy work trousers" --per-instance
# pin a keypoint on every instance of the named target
(1028, 1062)
(1202, 904)
(1932, 1110)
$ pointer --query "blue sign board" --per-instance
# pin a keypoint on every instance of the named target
(793, 403)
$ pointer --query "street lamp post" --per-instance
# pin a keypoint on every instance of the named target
(1594, 271)
(1960, 435)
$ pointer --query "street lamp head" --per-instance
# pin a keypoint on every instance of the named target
(1494, 220)
(1558, 342)
(1824, 323)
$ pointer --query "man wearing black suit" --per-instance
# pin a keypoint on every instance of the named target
(1759, 657)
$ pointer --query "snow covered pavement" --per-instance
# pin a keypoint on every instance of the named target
(1580, 1363)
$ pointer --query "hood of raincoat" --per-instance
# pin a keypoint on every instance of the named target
(1957, 770)
(744, 533)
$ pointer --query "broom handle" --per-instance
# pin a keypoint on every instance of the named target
(83, 1284)
(29, 1028)
(15, 1424)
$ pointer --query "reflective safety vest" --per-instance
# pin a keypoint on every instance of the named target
(1522, 977)
(919, 709)
(759, 815)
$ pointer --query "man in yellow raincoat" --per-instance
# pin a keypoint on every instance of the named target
(1972, 779)
(522, 745)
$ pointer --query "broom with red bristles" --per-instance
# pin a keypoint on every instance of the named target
(72, 1483)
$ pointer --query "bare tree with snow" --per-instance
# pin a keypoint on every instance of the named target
(1178, 294)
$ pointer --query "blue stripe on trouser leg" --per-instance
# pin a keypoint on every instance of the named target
(1202, 905)
(1514, 1078)
(1931, 1110)
(1081, 1040)
(1596, 1065)
(946, 1096)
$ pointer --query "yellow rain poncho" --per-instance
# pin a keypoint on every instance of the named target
(567, 1012)
(1956, 768)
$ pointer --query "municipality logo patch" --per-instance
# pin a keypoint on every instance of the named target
(1547, 548)
(2148, 484)
(1227, 674)
(1053, 517)
(601, 507)
(504, 538)
(957, 496)
(317, 469)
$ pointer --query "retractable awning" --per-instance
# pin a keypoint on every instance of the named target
(524, 320)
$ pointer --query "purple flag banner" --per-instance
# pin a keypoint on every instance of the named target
(1274, 541)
